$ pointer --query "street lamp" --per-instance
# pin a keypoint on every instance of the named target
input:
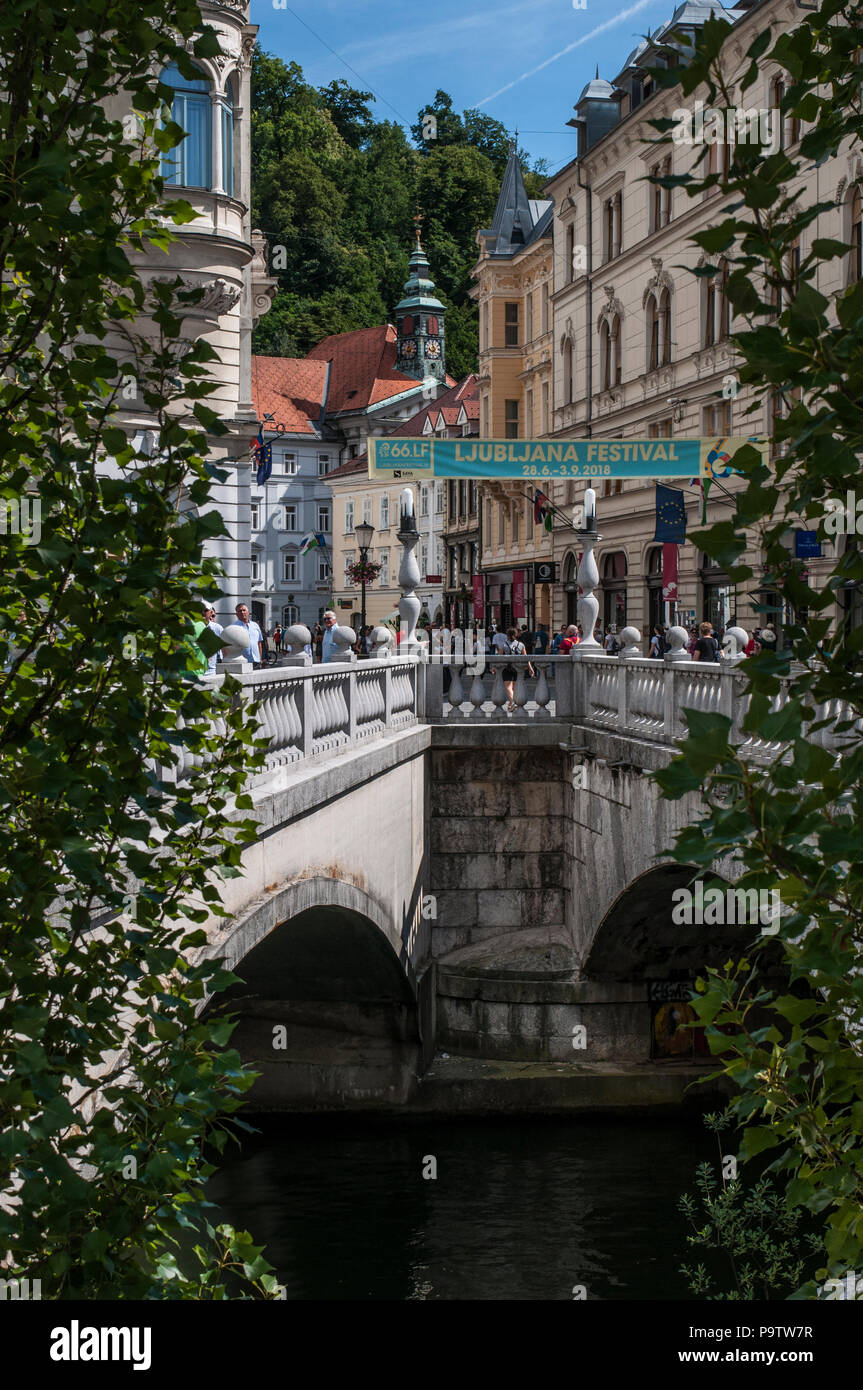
(464, 580)
(364, 532)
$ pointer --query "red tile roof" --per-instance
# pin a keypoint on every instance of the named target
(461, 393)
(291, 389)
(358, 465)
(363, 368)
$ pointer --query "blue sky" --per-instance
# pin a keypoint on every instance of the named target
(500, 57)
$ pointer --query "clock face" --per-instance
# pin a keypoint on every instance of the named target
(409, 348)
(433, 347)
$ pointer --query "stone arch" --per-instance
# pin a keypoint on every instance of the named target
(637, 940)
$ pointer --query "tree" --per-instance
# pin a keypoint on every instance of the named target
(796, 824)
(121, 804)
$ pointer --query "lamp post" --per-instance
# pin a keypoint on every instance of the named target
(588, 574)
(364, 533)
(464, 584)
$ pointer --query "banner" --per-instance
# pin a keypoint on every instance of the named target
(412, 459)
(518, 609)
(478, 599)
(670, 515)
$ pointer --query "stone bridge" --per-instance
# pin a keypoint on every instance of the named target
(461, 873)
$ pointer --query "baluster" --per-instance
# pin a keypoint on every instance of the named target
(477, 696)
(498, 694)
(542, 694)
(519, 699)
(456, 691)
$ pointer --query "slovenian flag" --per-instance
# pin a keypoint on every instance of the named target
(262, 454)
(542, 510)
(314, 541)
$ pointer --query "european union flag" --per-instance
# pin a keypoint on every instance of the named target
(670, 515)
(263, 458)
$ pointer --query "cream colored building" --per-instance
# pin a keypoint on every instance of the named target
(640, 345)
(513, 290)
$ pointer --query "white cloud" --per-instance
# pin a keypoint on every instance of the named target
(441, 38)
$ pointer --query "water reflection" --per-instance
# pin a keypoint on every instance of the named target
(522, 1208)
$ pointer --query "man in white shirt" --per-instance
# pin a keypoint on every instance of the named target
(500, 642)
(253, 651)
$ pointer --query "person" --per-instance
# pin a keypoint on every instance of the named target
(209, 614)
(499, 641)
(540, 641)
(265, 648)
(329, 650)
(556, 640)
(706, 646)
(753, 646)
(317, 639)
(510, 674)
(569, 640)
(252, 652)
(612, 646)
(768, 637)
(277, 639)
(656, 643)
(693, 638)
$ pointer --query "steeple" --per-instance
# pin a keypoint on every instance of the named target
(419, 316)
(513, 219)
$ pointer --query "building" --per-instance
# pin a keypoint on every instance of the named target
(291, 582)
(220, 254)
(513, 288)
(641, 345)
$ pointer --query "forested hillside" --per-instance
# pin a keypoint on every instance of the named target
(339, 190)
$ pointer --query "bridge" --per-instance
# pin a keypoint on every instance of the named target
(457, 873)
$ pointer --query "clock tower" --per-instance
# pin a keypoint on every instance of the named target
(421, 350)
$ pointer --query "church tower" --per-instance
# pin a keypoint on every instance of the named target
(421, 349)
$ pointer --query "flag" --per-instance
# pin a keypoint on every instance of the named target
(262, 455)
(312, 542)
(703, 484)
(669, 574)
(542, 510)
(670, 514)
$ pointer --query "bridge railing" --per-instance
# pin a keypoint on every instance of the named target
(311, 710)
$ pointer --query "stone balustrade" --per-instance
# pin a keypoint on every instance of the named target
(309, 711)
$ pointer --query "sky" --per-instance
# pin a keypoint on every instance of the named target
(525, 62)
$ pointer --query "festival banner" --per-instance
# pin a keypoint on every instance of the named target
(408, 460)
(478, 599)
(518, 608)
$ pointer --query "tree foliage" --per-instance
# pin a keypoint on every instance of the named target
(340, 190)
(797, 823)
(121, 777)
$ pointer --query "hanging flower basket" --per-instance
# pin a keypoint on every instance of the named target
(362, 571)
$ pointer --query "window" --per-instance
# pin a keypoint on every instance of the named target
(856, 237)
(528, 318)
(612, 226)
(462, 498)
(485, 338)
(568, 371)
(471, 497)
(255, 516)
(451, 499)
(289, 464)
(256, 566)
(290, 615)
(349, 516)
(658, 330)
(424, 500)
(528, 414)
(501, 524)
(324, 461)
(569, 269)
(323, 566)
(789, 126)
(367, 509)
(385, 512)
(324, 516)
(660, 198)
(515, 517)
(188, 164)
(433, 327)
(452, 567)
(485, 417)
(719, 160)
(545, 313)
(290, 567)
(510, 325)
(438, 499)
(545, 419)
(610, 352)
(716, 313)
(510, 420)
(717, 419)
(488, 522)
(384, 562)
(291, 516)
(661, 429)
(226, 115)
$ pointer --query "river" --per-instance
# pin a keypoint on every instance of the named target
(521, 1207)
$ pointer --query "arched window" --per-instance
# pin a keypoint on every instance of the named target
(665, 327)
(716, 315)
(407, 326)
(433, 327)
(226, 107)
(789, 126)
(568, 371)
(856, 236)
(605, 355)
(652, 330)
(614, 570)
(570, 254)
(616, 352)
(189, 163)
(658, 330)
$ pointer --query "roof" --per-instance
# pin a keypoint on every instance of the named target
(358, 465)
(363, 368)
(463, 393)
(517, 218)
(292, 390)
